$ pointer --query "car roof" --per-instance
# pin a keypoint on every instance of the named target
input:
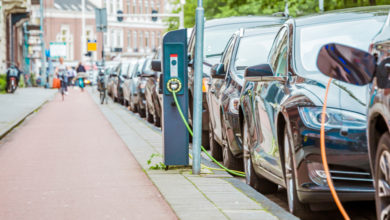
(242, 20)
(261, 30)
(343, 14)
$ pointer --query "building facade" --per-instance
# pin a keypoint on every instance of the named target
(139, 32)
(63, 24)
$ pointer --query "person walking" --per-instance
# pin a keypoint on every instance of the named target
(61, 73)
(81, 73)
(71, 75)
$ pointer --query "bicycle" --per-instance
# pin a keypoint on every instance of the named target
(62, 89)
(102, 89)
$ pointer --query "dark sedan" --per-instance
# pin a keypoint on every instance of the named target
(245, 48)
(282, 104)
(117, 89)
(216, 35)
(360, 68)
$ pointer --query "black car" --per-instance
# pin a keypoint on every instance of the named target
(282, 103)
(217, 32)
(246, 47)
(360, 68)
(152, 96)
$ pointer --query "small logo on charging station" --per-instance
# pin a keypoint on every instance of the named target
(173, 65)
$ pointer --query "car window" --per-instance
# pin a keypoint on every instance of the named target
(278, 54)
(228, 54)
(310, 38)
(253, 50)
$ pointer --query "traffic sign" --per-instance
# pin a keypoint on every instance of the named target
(91, 45)
(58, 49)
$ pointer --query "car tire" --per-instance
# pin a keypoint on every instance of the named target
(157, 120)
(294, 205)
(229, 160)
(215, 148)
(253, 179)
(133, 107)
(149, 117)
(382, 170)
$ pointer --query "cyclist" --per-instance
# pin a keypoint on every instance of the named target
(13, 71)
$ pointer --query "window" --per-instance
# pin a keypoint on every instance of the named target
(119, 5)
(105, 39)
(134, 6)
(135, 39)
(128, 6)
(227, 55)
(111, 6)
(147, 6)
(140, 6)
(278, 54)
(140, 40)
(146, 39)
(153, 39)
(65, 36)
(112, 37)
(158, 6)
(128, 38)
(152, 4)
(159, 38)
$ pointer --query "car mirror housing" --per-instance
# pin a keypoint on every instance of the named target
(258, 72)
(346, 64)
(217, 71)
(382, 74)
(156, 65)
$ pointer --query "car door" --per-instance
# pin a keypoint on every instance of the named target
(268, 95)
(216, 91)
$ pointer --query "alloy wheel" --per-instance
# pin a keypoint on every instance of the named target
(383, 185)
(288, 173)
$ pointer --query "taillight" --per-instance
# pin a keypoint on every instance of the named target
(205, 84)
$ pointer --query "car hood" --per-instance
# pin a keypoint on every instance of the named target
(341, 95)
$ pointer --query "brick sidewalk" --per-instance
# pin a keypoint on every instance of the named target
(68, 163)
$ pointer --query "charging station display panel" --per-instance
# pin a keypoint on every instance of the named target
(173, 67)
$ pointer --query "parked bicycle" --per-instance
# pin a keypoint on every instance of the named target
(102, 87)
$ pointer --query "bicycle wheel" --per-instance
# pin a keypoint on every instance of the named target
(102, 96)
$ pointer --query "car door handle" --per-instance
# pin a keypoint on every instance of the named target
(212, 91)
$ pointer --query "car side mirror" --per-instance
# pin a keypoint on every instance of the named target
(218, 71)
(382, 74)
(156, 65)
(258, 72)
(346, 64)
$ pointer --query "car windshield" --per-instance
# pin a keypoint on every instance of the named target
(124, 68)
(148, 66)
(253, 50)
(355, 33)
(215, 40)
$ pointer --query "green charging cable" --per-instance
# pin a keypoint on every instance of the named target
(234, 172)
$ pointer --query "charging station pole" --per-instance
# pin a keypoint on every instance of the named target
(198, 66)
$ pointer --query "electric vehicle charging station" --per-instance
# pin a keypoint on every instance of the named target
(174, 69)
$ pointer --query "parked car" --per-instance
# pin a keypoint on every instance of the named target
(146, 74)
(246, 47)
(362, 68)
(117, 89)
(132, 85)
(127, 84)
(111, 79)
(152, 95)
(216, 34)
(282, 103)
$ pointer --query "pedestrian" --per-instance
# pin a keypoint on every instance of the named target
(71, 75)
(80, 68)
(61, 73)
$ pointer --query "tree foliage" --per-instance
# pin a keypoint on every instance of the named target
(227, 8)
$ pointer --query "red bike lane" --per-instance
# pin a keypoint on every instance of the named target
(67, 162)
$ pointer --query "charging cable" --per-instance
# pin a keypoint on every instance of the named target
(324, 159)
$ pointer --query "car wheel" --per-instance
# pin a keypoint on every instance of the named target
(382, 177)
(149, 117)
(157, 120)
(294, 205)
(256, 181)
(142, 112)
(215, 148)
(229, 160)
